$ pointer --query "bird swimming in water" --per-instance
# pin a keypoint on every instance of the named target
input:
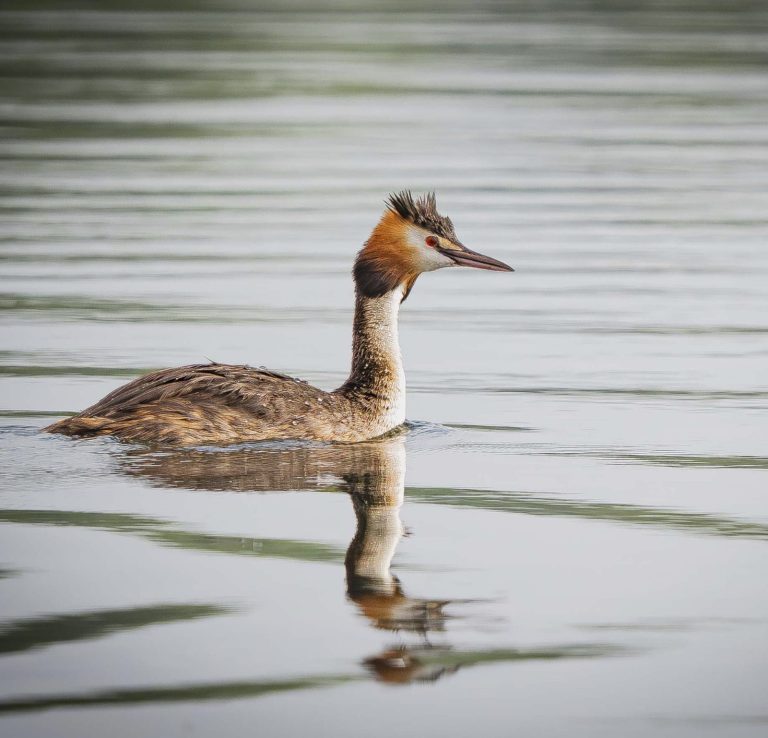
(224, 403)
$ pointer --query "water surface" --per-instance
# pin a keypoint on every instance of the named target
(570, 536)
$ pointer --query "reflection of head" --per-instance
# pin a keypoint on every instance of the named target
(403, 666)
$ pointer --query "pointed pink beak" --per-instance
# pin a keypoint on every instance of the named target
(467, 257)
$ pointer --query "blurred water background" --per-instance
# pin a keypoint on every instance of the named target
(585, 476)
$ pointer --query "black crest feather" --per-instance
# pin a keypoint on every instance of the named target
(422, 211)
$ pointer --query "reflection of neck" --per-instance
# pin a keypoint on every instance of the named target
(377, 495)
(377, 380)
(369, 556)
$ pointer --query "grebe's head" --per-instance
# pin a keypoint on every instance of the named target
(411, 238)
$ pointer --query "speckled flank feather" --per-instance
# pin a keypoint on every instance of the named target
(216, 403)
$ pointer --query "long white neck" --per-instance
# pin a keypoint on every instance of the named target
(377, 379)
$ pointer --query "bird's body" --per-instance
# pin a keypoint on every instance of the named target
(222, 403)
(225, 403)
(214, 404)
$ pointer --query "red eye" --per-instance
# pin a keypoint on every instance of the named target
(431, 241)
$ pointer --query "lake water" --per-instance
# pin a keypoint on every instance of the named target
(570, 539)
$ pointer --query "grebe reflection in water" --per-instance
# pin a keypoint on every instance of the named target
(373, 475)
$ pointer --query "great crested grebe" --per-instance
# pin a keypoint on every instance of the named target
(223, 403)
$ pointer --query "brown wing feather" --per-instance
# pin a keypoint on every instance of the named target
(211, 403)
(240, 382)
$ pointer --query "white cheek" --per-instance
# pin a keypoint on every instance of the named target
(428, 258)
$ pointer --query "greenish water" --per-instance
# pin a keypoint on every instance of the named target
(570, 538)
